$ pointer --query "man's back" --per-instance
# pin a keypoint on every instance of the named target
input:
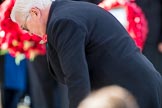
(89, 47)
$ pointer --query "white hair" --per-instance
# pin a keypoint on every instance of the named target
(112, 96)
(22, 7)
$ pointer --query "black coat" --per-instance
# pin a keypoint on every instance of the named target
(91, 1)
(153, 12)
(88, 49)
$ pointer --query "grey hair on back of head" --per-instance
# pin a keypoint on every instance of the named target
(22, 7)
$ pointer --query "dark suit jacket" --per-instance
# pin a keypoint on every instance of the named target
(154, 18)
(91, 1)
(88, 49)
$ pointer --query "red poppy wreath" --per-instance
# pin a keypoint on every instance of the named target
(13, 40)
(131, 16)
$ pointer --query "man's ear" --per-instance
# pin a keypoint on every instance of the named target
(35, 12)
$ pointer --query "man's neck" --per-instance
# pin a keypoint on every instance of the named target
(45, 14)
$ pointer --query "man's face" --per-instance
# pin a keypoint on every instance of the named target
(32, 22)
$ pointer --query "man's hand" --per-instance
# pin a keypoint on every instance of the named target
(160, 47)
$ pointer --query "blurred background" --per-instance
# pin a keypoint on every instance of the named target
(25, 81)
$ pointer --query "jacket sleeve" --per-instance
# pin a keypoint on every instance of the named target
(91, 1)
(69, 42)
